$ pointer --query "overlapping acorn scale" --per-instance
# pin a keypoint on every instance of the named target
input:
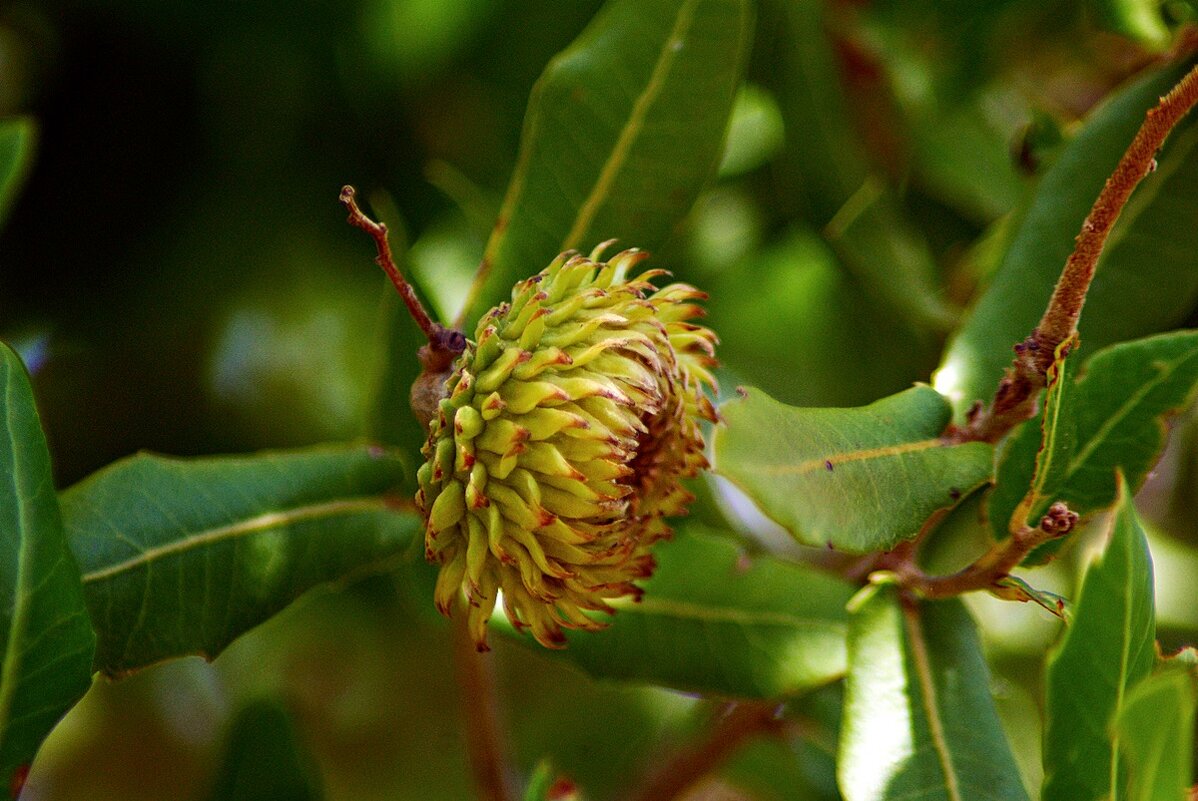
(531, 451)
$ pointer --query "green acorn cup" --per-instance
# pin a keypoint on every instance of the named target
(559, 443)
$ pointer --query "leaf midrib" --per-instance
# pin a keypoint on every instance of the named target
(865, 454)
(252, 525)
(12, 656)
(632, 127)
(1124, 411)
(672, 607)
(929, 698)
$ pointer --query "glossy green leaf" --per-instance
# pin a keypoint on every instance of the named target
(919, 719)
(17, 138)
(857, 480)
(623, 129)
(714, 621)
(1155, 735)
(265, 759)
(181, 556)
(1147, 279)
(1112, 419)
(48, 640)
(1106, 650)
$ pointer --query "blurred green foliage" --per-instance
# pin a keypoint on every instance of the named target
(178, 276)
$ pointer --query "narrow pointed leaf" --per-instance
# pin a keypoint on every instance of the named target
(713, 622)
(1155, 732)
(17, 138)
(47, 637)
(919, 719)
(1111, 418)
(264, 758)
(181, 556)
(1147, 279)
(623, 129)
(857, 480)
(1106, 650)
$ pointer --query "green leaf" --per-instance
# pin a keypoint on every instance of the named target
(1147, 279)
(48, 639)
(623, 129)
(1112, 419)
(825, 168)
(264, 758)
(1035, 462)
(181, 556)
(824, 162)
(1106, 650)
(540, 782)
(890, 259)
(920, 722)
(712, 621)
(391, 419)
(801, 296)
(1155, 734)
(1141, 20)
(858, 480)
(17, 138)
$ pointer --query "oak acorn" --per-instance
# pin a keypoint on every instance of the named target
(558, 449)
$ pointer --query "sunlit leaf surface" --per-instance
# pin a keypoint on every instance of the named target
(920, 722)
(858, 479)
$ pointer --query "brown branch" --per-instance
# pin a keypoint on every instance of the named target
(378, 232)
(993, 566)
(1015, 400)
(480, 714)
(738, 724)
(444, 344)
